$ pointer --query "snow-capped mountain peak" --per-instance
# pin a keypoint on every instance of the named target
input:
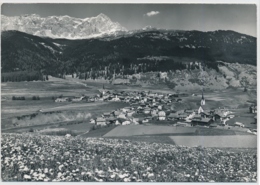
(61, 26)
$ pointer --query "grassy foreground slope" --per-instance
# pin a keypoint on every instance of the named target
(29, 157)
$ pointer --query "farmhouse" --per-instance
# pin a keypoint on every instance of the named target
(161, 115)
(61, 100)
(77, 99)
(173, 116)
(253, 109)
(201, 121)
(100, 121)
(130, 113)
(219, 116)
(106, 114)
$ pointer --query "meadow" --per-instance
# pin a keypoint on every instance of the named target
(32, 157)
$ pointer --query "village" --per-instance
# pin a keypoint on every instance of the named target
(156, 108)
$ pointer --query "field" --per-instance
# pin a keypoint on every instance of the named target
(231, 141)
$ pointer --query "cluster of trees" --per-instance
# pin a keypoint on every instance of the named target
(129, 68)
(18, 76)
(18, 98)
(35, 98)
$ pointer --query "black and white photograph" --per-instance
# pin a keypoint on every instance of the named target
(128, 92)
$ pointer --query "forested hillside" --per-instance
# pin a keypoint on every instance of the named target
(139, 51)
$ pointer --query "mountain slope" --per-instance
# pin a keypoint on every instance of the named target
(61, 26)
(137, 52)
(21, 51)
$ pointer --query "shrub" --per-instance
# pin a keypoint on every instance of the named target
(18, 98)
(35, 98)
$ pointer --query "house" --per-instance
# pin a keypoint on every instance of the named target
(106, 114)
(116, 113)
(189, 111)
(115, 98)
(202, 121)
(145, 120)
(126, 109)
(61, 100)
(183, 116)
(77, 99)
(130, 113)
(154, 112)
(253, 109)
(122, 115)
(173, 116)
(181, 124)
(213, 125)
(205, 114)
(239, 124)
(160, 107)
(101, 121)
(162, 115)
(111, 120)
(92, 121)
(126, 123)
(147, 111)
(219, 116)
(117, 122)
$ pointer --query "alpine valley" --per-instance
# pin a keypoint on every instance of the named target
(97, 48)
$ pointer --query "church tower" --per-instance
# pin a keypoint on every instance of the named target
(202, 102)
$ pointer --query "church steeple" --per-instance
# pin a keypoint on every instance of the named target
(202, 102)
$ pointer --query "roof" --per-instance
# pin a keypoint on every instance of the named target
(189, 111)
(219, 114)
(173, 115)
(100, 119)
(202, 120)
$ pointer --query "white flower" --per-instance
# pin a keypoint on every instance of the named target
(150, 175)
(89, 173)
(27, 176)
(127, 180)
(59, 174)
(60, 167)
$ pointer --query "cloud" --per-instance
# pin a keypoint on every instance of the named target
(152, 13)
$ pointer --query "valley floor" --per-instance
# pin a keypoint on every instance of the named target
(24, 122)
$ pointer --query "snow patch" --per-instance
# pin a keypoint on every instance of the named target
(49, 47)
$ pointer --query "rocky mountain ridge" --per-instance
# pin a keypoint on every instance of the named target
(62, 26)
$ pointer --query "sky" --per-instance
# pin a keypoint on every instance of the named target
(204, 17)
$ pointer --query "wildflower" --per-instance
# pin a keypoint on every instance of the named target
(89, 173)
(150, 175)
(27, 177)
(127, 180)
(59, 174)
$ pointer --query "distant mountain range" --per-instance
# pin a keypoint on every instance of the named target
(62, 26)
